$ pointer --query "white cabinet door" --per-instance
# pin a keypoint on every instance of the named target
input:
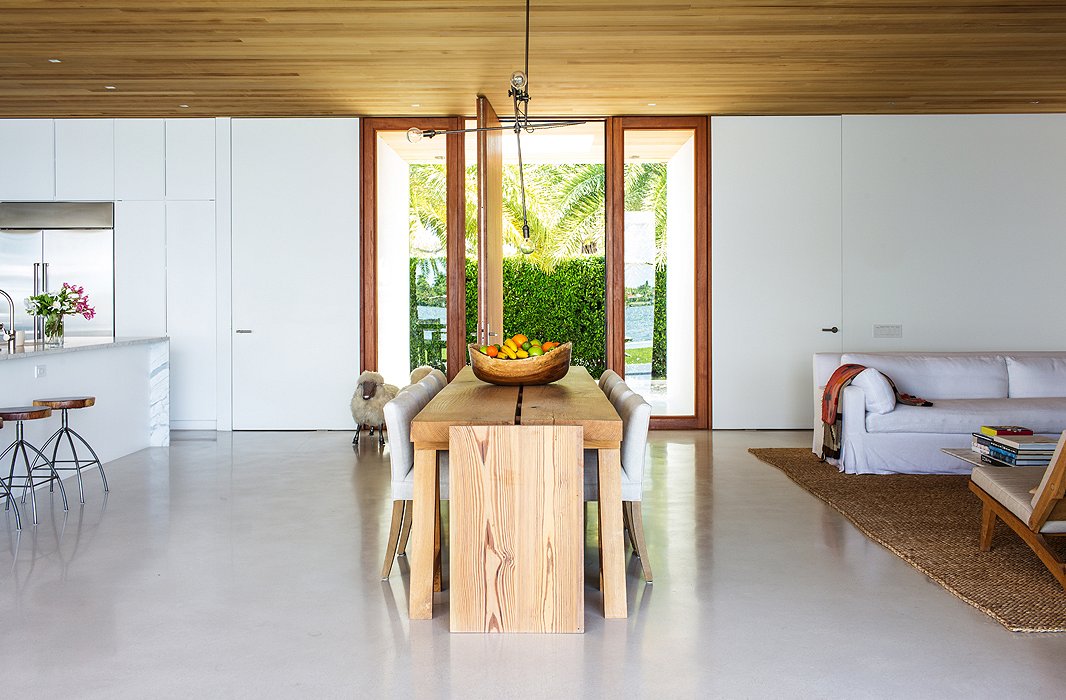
(140, 159)
(191, 313)
(140, 269)
(295, 272)
(775, 270)
(85, 159)
(27, 160)
(190, 145)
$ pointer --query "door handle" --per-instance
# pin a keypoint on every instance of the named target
(243, 330)
(834, 329)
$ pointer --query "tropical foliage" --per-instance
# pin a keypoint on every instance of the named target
(558, 290)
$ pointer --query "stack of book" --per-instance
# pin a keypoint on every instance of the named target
(1013, 446)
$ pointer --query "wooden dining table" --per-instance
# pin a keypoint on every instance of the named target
(575, 400)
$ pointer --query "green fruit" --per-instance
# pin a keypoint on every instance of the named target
(535, 343)
(484, 349)
(526, 345)
(535, 350)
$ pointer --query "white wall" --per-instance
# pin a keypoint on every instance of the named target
(394, 255)
(775, 265)
(953, 226)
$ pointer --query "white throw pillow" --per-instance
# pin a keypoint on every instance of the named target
(879, 395)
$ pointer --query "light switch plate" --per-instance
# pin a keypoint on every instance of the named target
(888, 330)
(40, 371)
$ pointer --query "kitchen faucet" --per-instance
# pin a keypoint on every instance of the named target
(10, 330)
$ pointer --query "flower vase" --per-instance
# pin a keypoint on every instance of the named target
(53, 331)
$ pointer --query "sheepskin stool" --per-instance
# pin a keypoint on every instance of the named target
(368, 404)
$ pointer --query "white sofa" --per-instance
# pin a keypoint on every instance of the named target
(968, 390)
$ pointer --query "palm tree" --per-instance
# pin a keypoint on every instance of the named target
(565, 207)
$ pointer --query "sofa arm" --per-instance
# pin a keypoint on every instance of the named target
(853, 411)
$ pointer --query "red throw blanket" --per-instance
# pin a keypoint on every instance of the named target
(843, 376)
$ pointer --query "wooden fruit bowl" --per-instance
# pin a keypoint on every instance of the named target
(545, 369)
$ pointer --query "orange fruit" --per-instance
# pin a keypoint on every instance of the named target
(492, 351)
(519, 339)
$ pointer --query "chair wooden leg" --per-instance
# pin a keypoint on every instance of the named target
(636, 521)
(405, 529)
(394, 537)
(988, 526)
(627, 523)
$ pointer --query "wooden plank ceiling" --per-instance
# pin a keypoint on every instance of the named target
(366, 57)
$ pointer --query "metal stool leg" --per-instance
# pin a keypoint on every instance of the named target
(99, 464)
(80, 463)
(39, 461)
(5, 492)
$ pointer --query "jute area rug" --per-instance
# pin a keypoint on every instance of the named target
(932, 522)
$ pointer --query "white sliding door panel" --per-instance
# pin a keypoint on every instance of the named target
(191, 313)
(190, 159)
(27, 160)
(85, 159)
(140, 147)
(775, 271)
(295, 272)
(140, 269)
(954, 230)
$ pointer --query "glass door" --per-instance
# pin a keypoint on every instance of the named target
(660, 244)
(557, 290)
(413, 252)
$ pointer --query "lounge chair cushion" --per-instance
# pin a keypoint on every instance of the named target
(1011, 486)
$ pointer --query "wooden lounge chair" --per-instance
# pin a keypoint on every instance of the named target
(1008, 493)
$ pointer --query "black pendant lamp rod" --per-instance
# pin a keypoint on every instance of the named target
(519, 94)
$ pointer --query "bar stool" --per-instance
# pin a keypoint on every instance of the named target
(64, 404)
(19, 414)
(5, 492)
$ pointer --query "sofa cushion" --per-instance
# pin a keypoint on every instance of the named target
(1035, 376)
(877, 391)
(1010, 486)
(953, 416)
(940, 375)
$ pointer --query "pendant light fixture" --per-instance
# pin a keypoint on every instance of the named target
(518, 91)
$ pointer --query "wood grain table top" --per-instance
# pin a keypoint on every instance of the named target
(575, 399)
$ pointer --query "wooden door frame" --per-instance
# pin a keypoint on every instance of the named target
(615, 146)
(456, 225)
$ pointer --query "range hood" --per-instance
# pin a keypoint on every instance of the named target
(56, 215)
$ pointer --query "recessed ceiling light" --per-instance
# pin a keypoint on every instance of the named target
(184, 106)
(416, 104)
(439, 157)
(54, 60)
(1035, 102)
(651, 104)
(110, 87)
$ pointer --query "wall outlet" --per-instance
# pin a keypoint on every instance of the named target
(40, 371)
(888, 330)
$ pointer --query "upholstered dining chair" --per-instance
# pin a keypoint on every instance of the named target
(398, 416)
(608, 379)
(1030, 500)
(636, 416)
(618, 393)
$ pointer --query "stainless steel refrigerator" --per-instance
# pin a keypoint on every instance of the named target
(44, 244)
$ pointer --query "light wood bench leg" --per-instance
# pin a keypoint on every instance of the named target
(422, 534)
(612, 543)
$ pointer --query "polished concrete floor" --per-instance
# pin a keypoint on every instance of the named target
(247, 565)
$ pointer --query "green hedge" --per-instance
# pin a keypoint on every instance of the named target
(567, 303)
(658, 334)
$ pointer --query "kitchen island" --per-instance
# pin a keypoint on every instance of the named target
(130, 378)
